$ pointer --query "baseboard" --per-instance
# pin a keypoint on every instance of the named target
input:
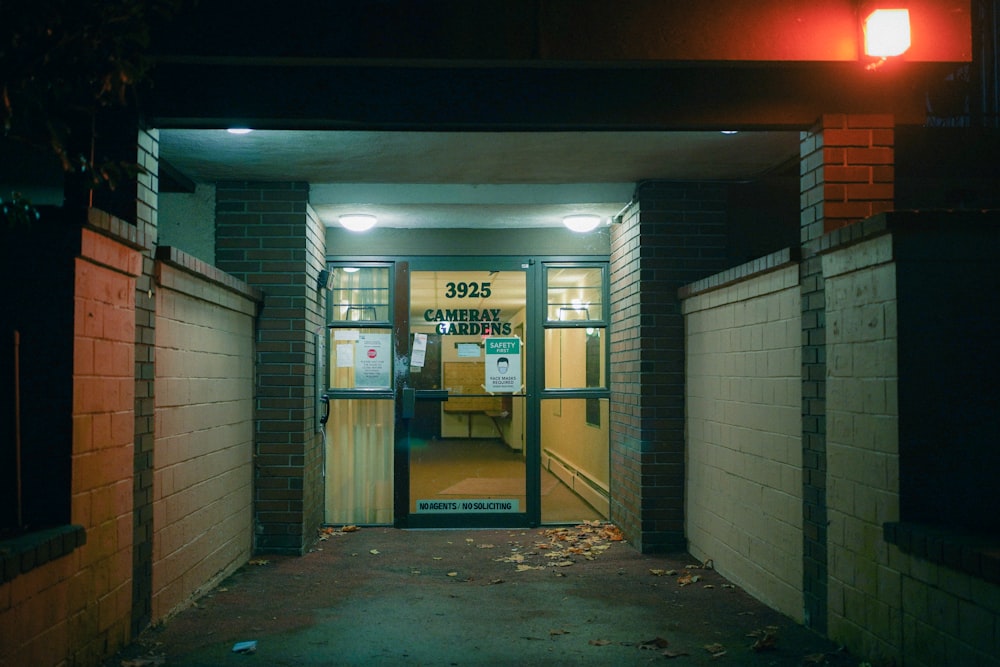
(589, 489)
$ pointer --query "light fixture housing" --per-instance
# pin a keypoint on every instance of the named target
(358, 222)
(239, 130)
(582, 223)
(887, 33)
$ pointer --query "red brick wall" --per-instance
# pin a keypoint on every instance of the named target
(77, 607)
(847, 171)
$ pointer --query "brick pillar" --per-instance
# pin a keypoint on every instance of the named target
(847, 175)
(267, 236)
(145, 352)
(674, 235)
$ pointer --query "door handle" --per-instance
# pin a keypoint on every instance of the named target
(432, 394)
(409, 407)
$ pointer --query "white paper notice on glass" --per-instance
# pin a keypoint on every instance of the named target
(345, 355)
(468, 350)
(419, 350)
(372, 368)
(346, 334)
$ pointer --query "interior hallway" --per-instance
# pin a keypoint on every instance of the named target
(486, 468)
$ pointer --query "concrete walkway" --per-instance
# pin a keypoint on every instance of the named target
(572, 596)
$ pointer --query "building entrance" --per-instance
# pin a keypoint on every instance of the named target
(446, 373)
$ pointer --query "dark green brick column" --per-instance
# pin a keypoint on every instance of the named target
(267, 236)
(673, 235)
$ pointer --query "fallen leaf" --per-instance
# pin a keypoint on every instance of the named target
(151, 661)
(654, 644)
(686, 579)
(657, 573)
(516, 558)
(258, 561)
(673, 654)
(497, 581)
(374, 552)
(562, 563)
(553, 633)
(437, 557)
(728, 586)
(524, 568)
(708, 586)
(715, 649)
(485, 546)
(453, 574)
(599, 642)
(766, 639)
(349, 529)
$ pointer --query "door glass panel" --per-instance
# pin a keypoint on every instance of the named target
(359, 294)
(359, 449)
(574, 294)
(575, 462)
(575, 358)
(467, 453)
(360, 358)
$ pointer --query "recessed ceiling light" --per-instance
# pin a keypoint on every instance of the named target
(239, 130)
(730, 131)
(358, 222)
(582, 223)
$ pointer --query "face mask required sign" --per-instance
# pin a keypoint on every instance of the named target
(503, 364)
(470, 506)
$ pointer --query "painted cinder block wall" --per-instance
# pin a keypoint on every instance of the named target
(743, 405)
(899, 558)
(74, 604)
(925, 591)
(203, 476)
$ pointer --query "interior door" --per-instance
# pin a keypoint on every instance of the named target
(470, 461)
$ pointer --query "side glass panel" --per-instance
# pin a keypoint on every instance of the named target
(575, 463)
(360, 358)
(360, 429)
(575, 433)
(359, 294)
(575, 358)
(359, 446)
(574, 294)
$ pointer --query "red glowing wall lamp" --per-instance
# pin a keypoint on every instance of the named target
(887, 32)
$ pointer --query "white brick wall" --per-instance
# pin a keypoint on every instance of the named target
(202, 480)
(744, 452)
(862, 446)
(883, 604)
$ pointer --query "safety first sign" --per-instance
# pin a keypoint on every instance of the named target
(503, 364)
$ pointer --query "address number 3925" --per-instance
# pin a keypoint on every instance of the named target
(467, 290)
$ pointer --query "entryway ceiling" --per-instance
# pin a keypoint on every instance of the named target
(472, 179)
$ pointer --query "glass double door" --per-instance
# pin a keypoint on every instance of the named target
(466, 392)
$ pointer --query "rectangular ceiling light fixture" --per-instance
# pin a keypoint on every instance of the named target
(887, 32)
